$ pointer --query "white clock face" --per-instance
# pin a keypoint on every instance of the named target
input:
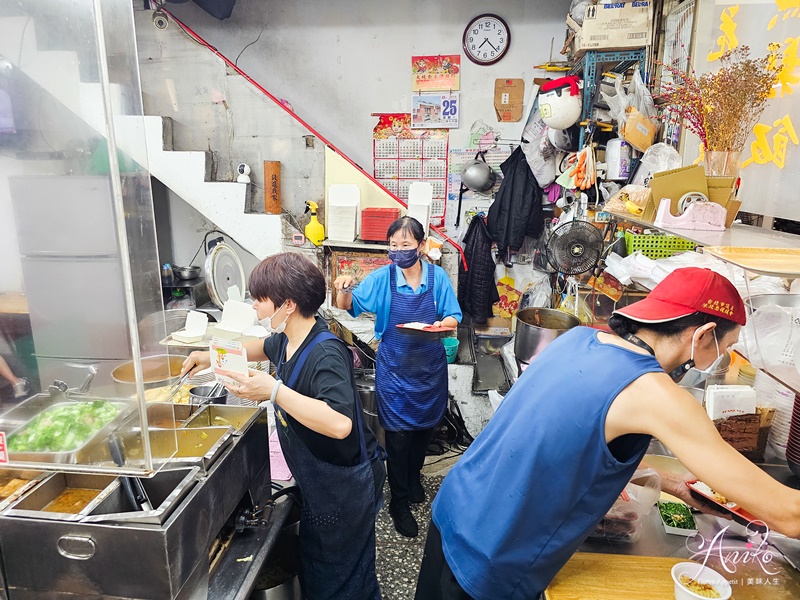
(486, 39)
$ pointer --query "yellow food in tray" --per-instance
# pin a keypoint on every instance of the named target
(9, 486)
(161, 394)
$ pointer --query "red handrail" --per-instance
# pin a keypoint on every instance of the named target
(294, 115)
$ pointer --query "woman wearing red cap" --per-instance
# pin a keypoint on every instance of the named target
(571, 432)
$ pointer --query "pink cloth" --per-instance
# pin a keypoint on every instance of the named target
(278, 468)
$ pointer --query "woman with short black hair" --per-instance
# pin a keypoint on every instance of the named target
(411, 373)
(332, 453)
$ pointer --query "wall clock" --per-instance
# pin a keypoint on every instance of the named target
(486, 39)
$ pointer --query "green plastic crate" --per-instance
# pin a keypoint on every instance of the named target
(657, 245)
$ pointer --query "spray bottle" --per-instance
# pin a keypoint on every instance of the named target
(315, 232)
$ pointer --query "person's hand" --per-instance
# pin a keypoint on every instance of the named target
(196, 362)
(343, 283)
(680, 490)
(256, 385)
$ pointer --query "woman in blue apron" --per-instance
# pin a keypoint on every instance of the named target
(411, 372)
(332, 453)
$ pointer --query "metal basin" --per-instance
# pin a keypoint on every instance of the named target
(753, 303)
(197, 447)
(157, 371)
(166, 415)
(537, 327)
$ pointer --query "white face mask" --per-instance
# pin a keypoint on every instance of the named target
(266, 322)
(694, 376)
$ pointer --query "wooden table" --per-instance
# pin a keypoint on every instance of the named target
(590, 576)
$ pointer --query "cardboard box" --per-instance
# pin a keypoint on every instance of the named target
(509, 96)
(613, 26)
(674, 184)
(638, 130)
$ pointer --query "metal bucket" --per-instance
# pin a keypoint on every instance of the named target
(753, 303)
(537, 327)
(157, 371)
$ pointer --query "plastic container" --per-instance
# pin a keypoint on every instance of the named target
(618, 159)
(686, 532)
(451, 349)
(375, 222)
(656, 245)
(701, 574)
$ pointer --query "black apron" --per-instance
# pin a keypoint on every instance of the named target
(337, 524)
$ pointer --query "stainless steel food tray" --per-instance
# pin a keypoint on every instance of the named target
(30, 505)
(166, 490)
(238, 418)
(197, 447)
(81, 455)
(33, 478)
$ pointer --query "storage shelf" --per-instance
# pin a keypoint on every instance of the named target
(742, 236)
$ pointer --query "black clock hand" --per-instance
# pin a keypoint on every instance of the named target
(492, 45)
(485, 40)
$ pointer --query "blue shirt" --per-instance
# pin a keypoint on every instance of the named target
(374, 295)
(540, 476)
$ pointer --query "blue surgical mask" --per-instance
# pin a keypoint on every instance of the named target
(266, 322)
(404, 258)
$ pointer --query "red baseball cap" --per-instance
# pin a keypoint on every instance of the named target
(685, 292)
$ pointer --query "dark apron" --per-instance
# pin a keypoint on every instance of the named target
(411, 372)
(337, 525)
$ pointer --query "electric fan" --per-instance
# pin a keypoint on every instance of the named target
(574, 247)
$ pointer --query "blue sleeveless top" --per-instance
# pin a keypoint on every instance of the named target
(540, 475)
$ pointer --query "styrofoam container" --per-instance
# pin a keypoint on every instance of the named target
(701, 574)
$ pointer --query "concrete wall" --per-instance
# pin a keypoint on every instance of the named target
(337, 62)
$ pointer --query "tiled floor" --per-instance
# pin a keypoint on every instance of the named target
(399, 557)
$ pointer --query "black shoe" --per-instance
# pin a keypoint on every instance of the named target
(404, 521)
(417, 493)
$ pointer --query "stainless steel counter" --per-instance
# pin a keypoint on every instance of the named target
(762, 570)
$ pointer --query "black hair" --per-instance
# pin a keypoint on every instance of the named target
(623, 326)
(289, 275)
(409, 224)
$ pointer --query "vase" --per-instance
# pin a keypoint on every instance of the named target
(722, 163)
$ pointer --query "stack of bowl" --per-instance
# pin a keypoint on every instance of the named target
(793, 444)
(770, 393)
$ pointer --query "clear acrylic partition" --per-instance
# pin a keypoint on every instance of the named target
(81, 314)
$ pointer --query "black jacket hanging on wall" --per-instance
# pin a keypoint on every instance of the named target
(517, 209)
(476, 289)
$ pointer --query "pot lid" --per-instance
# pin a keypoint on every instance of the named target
(223, 269)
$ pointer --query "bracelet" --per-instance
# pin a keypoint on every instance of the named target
(278, 383)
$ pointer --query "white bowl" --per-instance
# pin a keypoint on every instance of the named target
(701, 574)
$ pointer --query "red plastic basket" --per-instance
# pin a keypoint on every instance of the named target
(375, 222)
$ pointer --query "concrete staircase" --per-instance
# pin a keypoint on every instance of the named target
(148, 140)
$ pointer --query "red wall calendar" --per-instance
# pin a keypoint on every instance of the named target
(402, 156)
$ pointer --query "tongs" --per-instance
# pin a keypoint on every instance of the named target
(176, 386)
(133, 487)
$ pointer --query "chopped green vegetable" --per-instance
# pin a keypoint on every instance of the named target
(63, 428)
(677, 514)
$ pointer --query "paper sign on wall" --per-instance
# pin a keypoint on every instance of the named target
(509, 96)
(3, 449)
(435, 73)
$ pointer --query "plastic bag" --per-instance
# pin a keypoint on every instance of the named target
(540, 155)
(639, 96)
(623, 522)
(582, 311)
(776, 346)
(618, 103)
(577, 9)
(657, 158)
(631, 198)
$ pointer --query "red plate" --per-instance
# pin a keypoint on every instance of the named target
(740, 515)
(429, 331)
